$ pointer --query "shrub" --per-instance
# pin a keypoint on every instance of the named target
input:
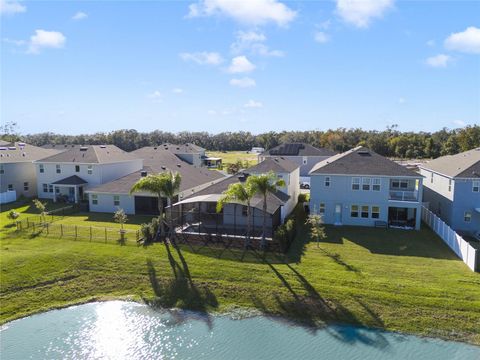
(285, 234)
(149, 231)
(303, 198)
(13, 215)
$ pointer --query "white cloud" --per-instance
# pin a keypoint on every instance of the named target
(321, 37)
(46, 39)
(203, 58)
(256, 12)
(254, 43)
(361, 12)
(211, 112)
(240, 64)
(253, 104)
(79, 16)
(460, 123)
(431, 43)
(245, 82)
(402, 100)
(14, 42)
(9, 7)
(156, 95)
(177, 91)
(467, 41)
(438, 61)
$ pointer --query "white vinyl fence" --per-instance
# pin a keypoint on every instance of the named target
(8, 197)
(460, 247)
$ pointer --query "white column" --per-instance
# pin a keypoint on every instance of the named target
(75, 194)
(54, 193)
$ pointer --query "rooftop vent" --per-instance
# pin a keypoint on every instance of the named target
(3, 148)
(155, 148)
(103, 146)
(243, 177)
(164, 168)
(12, 148)
(179, 165)
(83, 148)
(21, 144)
(23, 154)
(143, 173)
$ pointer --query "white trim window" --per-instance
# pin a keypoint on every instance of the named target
(10, 187)
(476, 186)
(375, 212)
(327, 181)
(25, 186)
(90, 169)
(41, 168)
(50, 188)
(321, 209)
(2, 169)
(365, 211)
(45, 188)
(58, 169)
(467, 216)
(94, 199)
(77, 168)
(366, 184)
(356, 183)
(354, 211)
(116, 200)
(376, 184)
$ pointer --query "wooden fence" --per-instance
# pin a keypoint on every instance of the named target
(459, 245)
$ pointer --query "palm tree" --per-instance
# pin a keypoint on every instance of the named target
(262, 185)
(164, 185)
(241, 192)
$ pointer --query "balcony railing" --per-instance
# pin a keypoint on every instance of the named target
(404, 195)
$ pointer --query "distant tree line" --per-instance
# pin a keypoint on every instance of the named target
(390, 142)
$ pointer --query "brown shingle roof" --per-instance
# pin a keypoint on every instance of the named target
(361, 161)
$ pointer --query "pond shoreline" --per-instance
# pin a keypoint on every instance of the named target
(240, 313)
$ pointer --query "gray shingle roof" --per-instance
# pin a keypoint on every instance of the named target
(463, 165)
(91, 154)
(297, 149)
(187, 148)
(275, 164)
(159, 161)
(361, 161)
(71, 180)
(21, 152)
(274, 201)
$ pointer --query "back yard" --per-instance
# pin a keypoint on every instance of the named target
(398, 280)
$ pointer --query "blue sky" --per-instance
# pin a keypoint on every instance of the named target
(217, 65)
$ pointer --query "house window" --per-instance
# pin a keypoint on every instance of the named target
(354, 211)
(59, 170)
(25, 186)
(10, 187)
(327, 181)
(50, 188)
(449, 185)
(2, 170)
(395, 184)
(116, 200)
(364, 211)
(321, 209)
(41, 167)
(399, 184)
(57, 190)
(45, 188)
(77, 168)
(355, 183)
(94, 199)
(376, 184)
(375, 212)
(404, 184)
(467, 216)
(89, 169)
(476, 186)
(366, 184)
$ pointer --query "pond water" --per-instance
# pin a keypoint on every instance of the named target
(126, 330)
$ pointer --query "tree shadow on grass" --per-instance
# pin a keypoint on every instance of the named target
(313, 312)
(180, 291)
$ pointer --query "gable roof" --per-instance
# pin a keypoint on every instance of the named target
(71, 180)
(463, 165)
(214, 192)
(297, 149)
(187, 148)
(361, 161)
(157, 160)
(275, 164)
(91, 154)
(21, 152)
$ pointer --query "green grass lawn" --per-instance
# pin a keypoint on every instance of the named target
(398, 280)
(230, 157)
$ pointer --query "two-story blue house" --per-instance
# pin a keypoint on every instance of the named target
(360, 187)
(452, 189)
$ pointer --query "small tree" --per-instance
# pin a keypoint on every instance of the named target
(42, 208)
(13, 215)
(120, 217)
(317, 229)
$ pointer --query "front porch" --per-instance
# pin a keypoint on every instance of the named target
(69, 190)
